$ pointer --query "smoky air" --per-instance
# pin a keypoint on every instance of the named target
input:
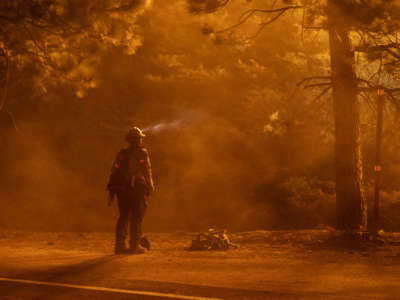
(241, 122)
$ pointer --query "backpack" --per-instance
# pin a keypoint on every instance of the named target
(120, 178)
(124, 168)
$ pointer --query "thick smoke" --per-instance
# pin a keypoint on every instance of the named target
(203, 108)
(221, 154)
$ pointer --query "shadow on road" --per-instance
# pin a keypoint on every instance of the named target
(71, 270)
(92, 272)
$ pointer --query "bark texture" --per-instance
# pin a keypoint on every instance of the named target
(350, 198)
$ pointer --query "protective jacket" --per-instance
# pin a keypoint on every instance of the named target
(130, 180)
(131, 166)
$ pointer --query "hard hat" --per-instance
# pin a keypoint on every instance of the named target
(134, 134)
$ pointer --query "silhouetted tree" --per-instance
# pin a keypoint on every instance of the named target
(376, 23)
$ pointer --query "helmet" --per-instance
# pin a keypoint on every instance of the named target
(134, 134)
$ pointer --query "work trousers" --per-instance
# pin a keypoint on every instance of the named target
(132, 206)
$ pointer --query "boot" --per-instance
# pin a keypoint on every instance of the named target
(120, 248)
(144, 242)
(136, 250)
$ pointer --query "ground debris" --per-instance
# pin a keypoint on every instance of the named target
(212, 239)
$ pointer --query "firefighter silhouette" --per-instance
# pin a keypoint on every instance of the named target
(131, 182)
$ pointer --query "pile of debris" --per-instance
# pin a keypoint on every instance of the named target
(212, 240)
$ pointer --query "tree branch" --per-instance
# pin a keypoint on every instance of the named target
(366, 48)
(307, 79)
(389, 48)
(251, 12)
(324, 91)
(367, 82)
(309, 86)
(262, 25)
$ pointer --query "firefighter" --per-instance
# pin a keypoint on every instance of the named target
(131, 182)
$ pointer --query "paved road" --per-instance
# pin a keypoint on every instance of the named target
(137, 290)
(95, 279)
(73, 266)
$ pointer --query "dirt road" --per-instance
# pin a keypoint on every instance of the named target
(267, 265)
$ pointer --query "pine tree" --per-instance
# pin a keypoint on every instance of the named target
(376, 24)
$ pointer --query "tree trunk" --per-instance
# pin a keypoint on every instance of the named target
(350, 199)
(6, 78)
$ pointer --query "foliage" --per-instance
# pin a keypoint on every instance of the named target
(374, 25)
(55, 42)
(374, 28)
(297, 202)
